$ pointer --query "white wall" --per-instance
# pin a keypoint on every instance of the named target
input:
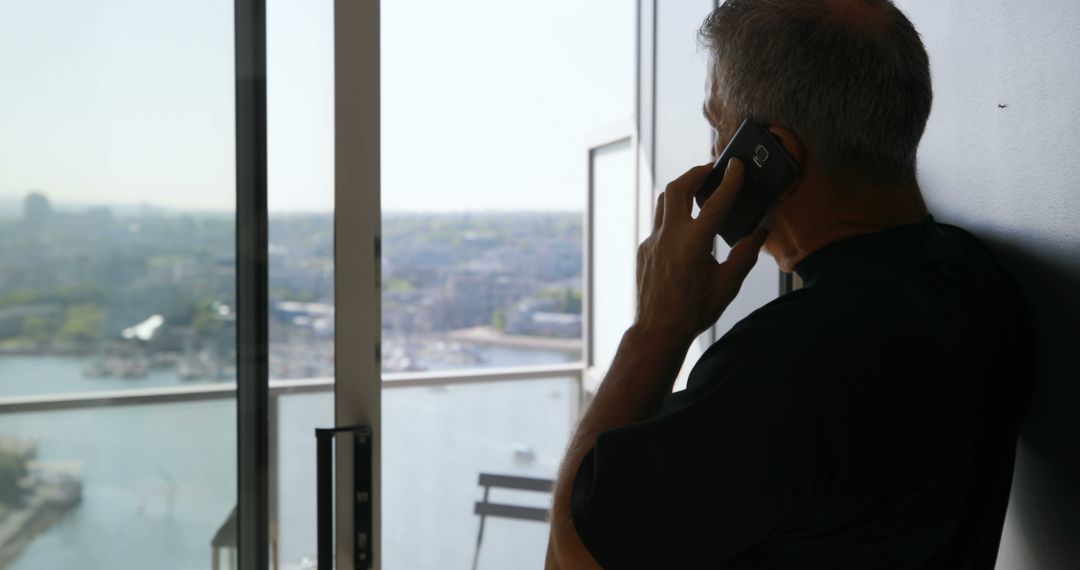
(1000, 158)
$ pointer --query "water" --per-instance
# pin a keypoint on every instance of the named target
(160, 479)
(21, 375)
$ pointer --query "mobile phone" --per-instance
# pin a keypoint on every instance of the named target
(769, 170)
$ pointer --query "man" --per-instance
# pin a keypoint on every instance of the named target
(865, 421)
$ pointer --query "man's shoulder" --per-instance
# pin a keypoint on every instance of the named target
(973, 254)
(765, 343)
(799, 334)
(884, 312)
(797, 316)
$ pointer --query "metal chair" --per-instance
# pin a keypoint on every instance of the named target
(485, 509)
(225, 539)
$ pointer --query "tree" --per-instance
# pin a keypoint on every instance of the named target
(566, 300)
(498, 319)
(35, 328)
(12, 471)
(82, 323)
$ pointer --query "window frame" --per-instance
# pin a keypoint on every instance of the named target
(618, 133)
(253, 495)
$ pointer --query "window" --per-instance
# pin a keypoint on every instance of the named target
(613, 235)
(117, 284)
(118, 270)
(487, 112)
(300, 200)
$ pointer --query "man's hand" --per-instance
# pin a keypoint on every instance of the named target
(682, 289)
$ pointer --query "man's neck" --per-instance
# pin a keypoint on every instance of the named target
(902, 207)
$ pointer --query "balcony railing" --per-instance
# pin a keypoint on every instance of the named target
(203, 392)
(86, 400)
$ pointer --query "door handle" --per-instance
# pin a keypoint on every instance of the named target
(362, 477)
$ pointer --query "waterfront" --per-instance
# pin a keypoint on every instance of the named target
(160, 479)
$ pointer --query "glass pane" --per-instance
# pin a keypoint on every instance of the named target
(484, 125)
(683, 137)
(488, 108)
(300, 194)
(614, 249)
(298, 416)
(300, 197)
(479, 289)
(436, 443)
(117, 272)
(109, 496)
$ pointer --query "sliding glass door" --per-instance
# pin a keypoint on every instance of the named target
(487, 112)
(386, 205)
(117, 285)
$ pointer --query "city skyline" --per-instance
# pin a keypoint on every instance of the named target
(153, 290)
(11, 206)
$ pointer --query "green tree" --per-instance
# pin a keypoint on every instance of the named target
(498, 319)
(82, 323)
(12, 471)
(35, 328)
(18, 298)
(571, 301)
(206, 320)
(567, 300)
(396, 285)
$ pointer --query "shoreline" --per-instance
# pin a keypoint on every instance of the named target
(489, 336)
(65, 352)
(53, 498)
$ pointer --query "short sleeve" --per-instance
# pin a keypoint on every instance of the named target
(700, 484)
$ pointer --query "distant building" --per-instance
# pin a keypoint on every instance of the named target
(470, 298)
(317, 317)
(530, 319)
(36, 209)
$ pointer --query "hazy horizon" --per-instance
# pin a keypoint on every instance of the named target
(11, 205)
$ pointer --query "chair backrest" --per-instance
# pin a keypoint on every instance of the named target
(489, 481)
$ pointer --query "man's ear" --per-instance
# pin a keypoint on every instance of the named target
(795, 150)
(790, 142)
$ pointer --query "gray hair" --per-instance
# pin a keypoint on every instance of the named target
(858, 96)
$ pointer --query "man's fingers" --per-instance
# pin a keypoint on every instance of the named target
(716, 207)
(680, 192)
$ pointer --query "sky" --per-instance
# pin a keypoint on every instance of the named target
(486, 104)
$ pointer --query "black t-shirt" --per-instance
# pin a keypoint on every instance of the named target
(866, 421)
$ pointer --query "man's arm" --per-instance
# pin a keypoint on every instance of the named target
(642, 374)
(682, 290)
